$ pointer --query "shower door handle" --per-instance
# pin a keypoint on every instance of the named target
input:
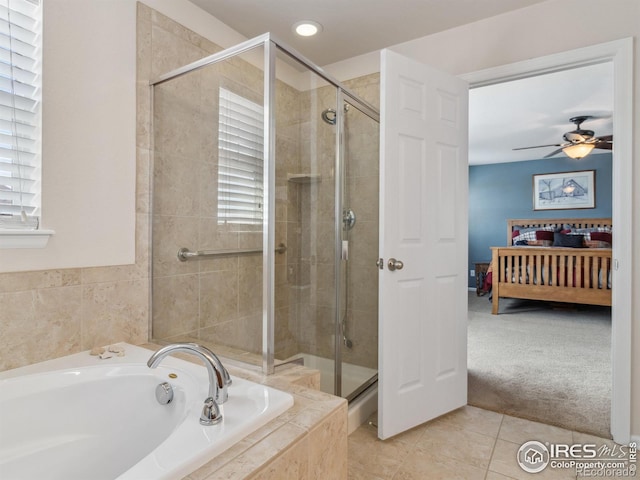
(394, 264)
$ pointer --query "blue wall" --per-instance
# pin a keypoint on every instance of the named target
(502, 191)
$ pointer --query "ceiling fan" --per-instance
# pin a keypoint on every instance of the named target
(579, 143)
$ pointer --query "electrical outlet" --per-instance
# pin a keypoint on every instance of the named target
(472, 273)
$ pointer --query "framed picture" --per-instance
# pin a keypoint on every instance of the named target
(564, 190)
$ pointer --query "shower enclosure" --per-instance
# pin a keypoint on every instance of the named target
(265, 214)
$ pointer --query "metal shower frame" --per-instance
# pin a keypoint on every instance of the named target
(271, 46)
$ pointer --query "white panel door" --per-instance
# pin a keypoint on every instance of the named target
(423, 224)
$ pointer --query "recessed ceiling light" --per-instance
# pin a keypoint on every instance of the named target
(307, 28)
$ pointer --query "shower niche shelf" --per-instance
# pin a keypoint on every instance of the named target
(304, 178)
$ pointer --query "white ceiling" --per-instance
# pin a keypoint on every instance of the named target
(352, 27)
(533, 111)
(536, 111)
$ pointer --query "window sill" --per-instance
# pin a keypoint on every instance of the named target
(24, 238)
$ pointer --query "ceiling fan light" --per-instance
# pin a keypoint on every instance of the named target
(579, 150)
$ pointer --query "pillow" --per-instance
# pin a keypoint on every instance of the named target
(573, 241)
(544, 235)
(602, 237)
(524, 236)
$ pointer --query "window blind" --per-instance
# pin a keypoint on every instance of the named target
(19, 113)
(240, 159)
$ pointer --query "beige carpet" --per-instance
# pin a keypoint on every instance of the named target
(544, 362)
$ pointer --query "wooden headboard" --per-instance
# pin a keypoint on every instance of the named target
(556, 222)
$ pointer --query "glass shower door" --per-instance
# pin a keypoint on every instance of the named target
(358, 322)
(305, 285)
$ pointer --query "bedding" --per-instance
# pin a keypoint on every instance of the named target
(563, 260)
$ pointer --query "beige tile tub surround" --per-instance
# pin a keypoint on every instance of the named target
(53, 313)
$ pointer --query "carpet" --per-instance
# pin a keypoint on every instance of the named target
(541, 361)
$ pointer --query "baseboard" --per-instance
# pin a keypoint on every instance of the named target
(472, 289)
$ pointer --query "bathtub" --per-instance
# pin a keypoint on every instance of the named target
(82, 418)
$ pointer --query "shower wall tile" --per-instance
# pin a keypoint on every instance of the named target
(363, 288)
(249, 285)
(286, 344)
(174, 180)
(171, 234)
(175, 305)
(213, 236)
(325, 293)
(364, 201)
(218, 297)
(208, 178)
(179, 128)
(364, 242)
(250, 333)
(367, 87)
(252, 239)
(243, 334)
(362, 329)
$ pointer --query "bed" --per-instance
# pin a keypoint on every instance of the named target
(531, 267)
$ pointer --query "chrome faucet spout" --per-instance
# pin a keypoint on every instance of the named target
(219, 377)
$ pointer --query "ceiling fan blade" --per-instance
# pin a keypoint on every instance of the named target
(538, 146)
(604, 145)
(555, 152)
(605, 138)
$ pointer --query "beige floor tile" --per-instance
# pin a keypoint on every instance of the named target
(473, 419)
(410, 437)
(422, 465)
(378, 457)
(497, 476)
(518, 430)
(504, 462)
(453, 442)
(359, 474)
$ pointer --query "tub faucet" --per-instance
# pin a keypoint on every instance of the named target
(219, 378)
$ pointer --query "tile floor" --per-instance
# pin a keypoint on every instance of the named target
(469, 443)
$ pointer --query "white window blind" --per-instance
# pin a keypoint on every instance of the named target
(20, 42)
(240, 159)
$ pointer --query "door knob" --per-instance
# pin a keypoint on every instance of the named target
(394, 264)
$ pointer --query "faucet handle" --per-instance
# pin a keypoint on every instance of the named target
(210, 412)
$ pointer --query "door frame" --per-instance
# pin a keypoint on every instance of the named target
(620, 53)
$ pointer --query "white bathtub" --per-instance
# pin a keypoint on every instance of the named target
(82, 418)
